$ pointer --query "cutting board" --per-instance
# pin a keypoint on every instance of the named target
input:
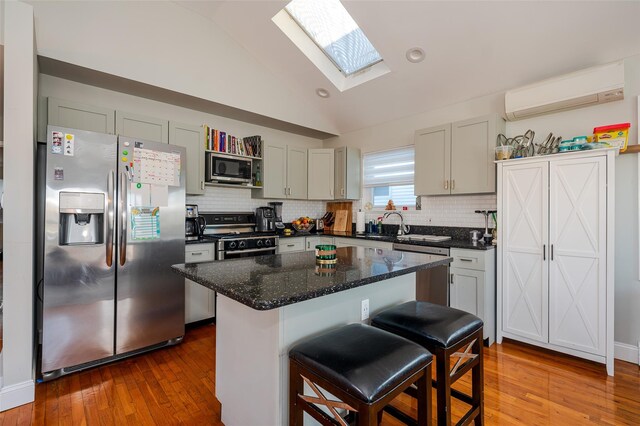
(340, 223)
(335, 206)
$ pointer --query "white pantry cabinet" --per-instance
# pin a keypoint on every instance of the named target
(473, 286)
(200, 302)
(555, 252)
(457, 158)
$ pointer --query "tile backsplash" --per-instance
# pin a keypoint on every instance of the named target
(454, 210)
(223, 199)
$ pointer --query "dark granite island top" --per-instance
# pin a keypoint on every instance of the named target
(272, 281)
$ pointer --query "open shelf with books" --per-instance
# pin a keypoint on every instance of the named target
(225, 143)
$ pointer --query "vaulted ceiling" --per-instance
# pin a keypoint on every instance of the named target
(231, 53)
(472, 49)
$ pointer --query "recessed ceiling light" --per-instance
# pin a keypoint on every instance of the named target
(415, 55)
(323, 93)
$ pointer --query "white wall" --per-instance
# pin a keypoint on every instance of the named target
(567, 124)
(215, 198)
(169, 46)
(19, 139)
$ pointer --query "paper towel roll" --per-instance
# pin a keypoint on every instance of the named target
(360, 222)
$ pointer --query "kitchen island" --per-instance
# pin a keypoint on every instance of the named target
(268, 303)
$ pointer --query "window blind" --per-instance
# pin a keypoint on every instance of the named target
(393, 167)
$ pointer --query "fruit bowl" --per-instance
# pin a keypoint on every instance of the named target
(304, 224)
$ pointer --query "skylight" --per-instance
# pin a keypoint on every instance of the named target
(331, 27)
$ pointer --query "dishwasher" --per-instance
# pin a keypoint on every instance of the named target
(432, 285)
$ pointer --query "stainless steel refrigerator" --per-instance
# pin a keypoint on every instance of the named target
(113, 225)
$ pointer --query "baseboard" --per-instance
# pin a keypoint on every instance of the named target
(625, 352)
(16, 395)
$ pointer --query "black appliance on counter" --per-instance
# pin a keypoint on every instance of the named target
(194, 224)
(265, 219)
(235, 236)
(277, 215)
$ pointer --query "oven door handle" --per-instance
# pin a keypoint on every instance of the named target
(250, 250)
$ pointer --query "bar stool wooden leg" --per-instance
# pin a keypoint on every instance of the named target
(443, 377)
(424, 396)
(477, 382)
(296, 387)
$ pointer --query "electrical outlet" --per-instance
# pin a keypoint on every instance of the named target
(364, 310)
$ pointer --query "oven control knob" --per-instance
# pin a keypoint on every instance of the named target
(242, 244)
(259, 243)
(267, 243)
(233, 245)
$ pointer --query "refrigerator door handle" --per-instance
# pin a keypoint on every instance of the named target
(123, 208)
(110, 217)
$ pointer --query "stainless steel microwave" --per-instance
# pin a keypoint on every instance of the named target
(227, 168)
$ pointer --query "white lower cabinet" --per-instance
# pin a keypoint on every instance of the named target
(291, 245)
(555, 259)
(200, 302)
(473, 286)
(312, 242)
(300, 244)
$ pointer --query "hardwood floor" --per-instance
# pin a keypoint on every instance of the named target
(523, 385)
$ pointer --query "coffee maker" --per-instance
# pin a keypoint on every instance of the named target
(277, 215)
(265, 219)
(194, 224)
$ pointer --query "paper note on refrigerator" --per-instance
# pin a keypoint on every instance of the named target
(159, 195)
(140, 195)
(155, 167)
(145, 223)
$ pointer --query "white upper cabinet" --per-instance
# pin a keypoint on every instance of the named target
(79, 116)
(433, 160)
(321, 174)
(348, 174)
(139, 126)
(191, 137)
(457, 158)
(284, 170)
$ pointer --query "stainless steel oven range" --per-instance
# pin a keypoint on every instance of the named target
(235, 236)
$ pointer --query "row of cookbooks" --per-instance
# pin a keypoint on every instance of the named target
(219, 141)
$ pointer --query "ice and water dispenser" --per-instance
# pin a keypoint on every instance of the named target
(81, 218)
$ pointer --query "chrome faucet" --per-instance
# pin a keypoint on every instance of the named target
(402, 229)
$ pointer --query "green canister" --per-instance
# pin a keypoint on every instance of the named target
(326, 254)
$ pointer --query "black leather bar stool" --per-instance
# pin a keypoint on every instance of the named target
(364, 367)
(447, 333)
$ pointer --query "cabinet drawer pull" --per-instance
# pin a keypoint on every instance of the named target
(291, 245)
(446, 184)
(196, 253)
(544, 252)
(464, 259)
(551, 251)
(453, 184)
(451, 279)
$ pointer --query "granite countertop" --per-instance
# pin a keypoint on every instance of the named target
(392, 238)
(272, 281)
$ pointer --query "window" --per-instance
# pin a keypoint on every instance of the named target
(331, 27)
(328, 36)
(388, 175)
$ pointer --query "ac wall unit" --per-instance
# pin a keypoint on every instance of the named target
(579, 89)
